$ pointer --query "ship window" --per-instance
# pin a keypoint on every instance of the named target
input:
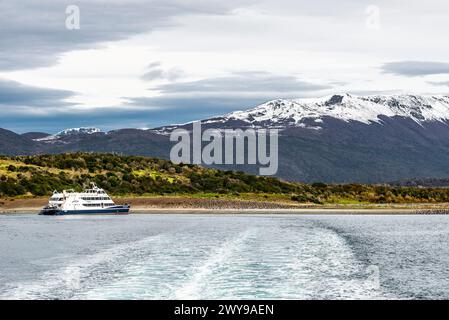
(93, 198)
(91, 204)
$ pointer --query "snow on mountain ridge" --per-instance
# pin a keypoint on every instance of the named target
(346, 107)
(82, 130)
(69, 132)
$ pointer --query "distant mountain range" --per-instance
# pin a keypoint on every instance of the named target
(341, 138)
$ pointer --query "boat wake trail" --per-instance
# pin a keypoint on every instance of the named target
(212, 258)
(200, 278)
(283, 260)
(87, 271)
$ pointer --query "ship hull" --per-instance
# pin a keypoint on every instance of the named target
(111, 210)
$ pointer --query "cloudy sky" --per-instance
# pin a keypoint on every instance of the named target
(147, 63)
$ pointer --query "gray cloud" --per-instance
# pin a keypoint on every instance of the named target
(34, 34)
(168, 111)
(440, 83)
(261, 83)
(190, 105)
(186, 101)
(177, 103)
(155, 71)
(416, 68)
(63, 118)
(14, 94)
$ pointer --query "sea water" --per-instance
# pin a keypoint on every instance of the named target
(224, 256)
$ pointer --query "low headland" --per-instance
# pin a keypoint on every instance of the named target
(155, 185)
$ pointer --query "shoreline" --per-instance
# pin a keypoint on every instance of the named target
(186, 205)
(311, 211)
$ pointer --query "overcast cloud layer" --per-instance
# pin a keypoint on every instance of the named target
(143, 63)
(33, 33)
(416, 68)
(14, 94)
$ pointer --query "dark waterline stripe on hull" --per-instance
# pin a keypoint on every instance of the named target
(95, 211)
(72, 212)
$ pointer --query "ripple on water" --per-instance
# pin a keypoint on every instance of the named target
(221, 257)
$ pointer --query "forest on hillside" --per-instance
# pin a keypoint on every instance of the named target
(39, 175)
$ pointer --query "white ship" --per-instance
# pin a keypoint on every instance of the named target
(91, 201)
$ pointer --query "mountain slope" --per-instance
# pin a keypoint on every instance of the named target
(342, 138)
(357, 152)
(15, 144)
(126, 141)
(35, 135)
(345, 138)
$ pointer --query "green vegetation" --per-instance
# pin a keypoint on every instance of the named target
(139, 176)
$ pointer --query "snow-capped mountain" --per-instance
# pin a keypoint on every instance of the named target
(69, 133)
(348, 138)
(82, 130)
(340, 138)
(346, 107)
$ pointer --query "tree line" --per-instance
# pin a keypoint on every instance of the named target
(39, 175)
